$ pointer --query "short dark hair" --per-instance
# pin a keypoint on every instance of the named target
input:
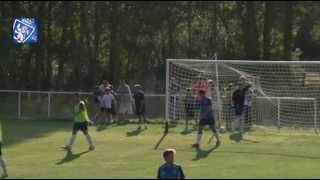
(202, 92)
(166, 153)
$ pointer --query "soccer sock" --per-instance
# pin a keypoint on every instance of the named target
(198, 138)
(88, 137)
(3, 165)
(72, 139)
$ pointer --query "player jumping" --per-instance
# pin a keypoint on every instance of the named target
(206, 118)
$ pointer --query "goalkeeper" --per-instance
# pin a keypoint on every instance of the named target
(206, 118)
(80, 123)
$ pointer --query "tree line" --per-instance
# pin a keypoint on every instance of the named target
(82, 43)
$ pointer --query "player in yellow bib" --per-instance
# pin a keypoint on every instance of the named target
(81, 120)
(2, 161)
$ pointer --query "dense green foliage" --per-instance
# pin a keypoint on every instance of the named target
(82, 43)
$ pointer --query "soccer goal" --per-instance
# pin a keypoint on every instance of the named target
(283, 93)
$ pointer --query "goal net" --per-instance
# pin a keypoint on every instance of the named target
(277, 93)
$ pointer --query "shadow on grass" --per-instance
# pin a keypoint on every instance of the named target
(16, 131)
(135, 132)
(70, 157)
(201, 154)
(187, 131)
(237, 137)
(102, 127)
(271, 154)
(160, 140)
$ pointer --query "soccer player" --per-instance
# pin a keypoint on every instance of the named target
(2, 161)
(206, 118)
(80, 123)
(107, 101)
(169, 170)
(138, 96)
(248, 98)
(238, 98)
(214, 95)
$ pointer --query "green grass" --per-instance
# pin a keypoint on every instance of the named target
(33, 150)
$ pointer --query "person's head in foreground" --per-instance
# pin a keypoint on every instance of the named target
(170, 170)
(168, 155)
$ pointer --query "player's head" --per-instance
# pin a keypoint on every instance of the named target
(137, 86)
(189, 90)
(202, 93)
(168, 155)
(108, 90)
(210, 81)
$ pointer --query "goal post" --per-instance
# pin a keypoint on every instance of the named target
(289, 88)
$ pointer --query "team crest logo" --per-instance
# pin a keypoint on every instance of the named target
(25, 30)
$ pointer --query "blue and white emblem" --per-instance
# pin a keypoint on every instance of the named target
(25, 30)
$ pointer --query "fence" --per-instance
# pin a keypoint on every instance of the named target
(59, 105)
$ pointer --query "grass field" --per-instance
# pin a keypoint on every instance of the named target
(33, 150)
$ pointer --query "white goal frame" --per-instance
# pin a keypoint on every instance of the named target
(216, 61)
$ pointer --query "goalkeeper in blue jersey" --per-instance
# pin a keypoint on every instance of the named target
(2, 161)
(206, 118)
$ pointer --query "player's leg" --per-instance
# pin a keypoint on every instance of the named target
(3, 164)
(249, 117)
(144, 120)
(108, 116)
(140, 120)
(198, 136)
(215, 133)
(84, 129)
(241, 122)
(73, 136)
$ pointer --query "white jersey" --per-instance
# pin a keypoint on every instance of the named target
(248, 97)
(214, 95)
(107, 101)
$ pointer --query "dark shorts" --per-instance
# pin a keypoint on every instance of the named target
(82, 126)
(238, 109)
(140, 109)
(113, 109)
(96, 100)
(107, 110)
(102, 109)
(210, 122)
